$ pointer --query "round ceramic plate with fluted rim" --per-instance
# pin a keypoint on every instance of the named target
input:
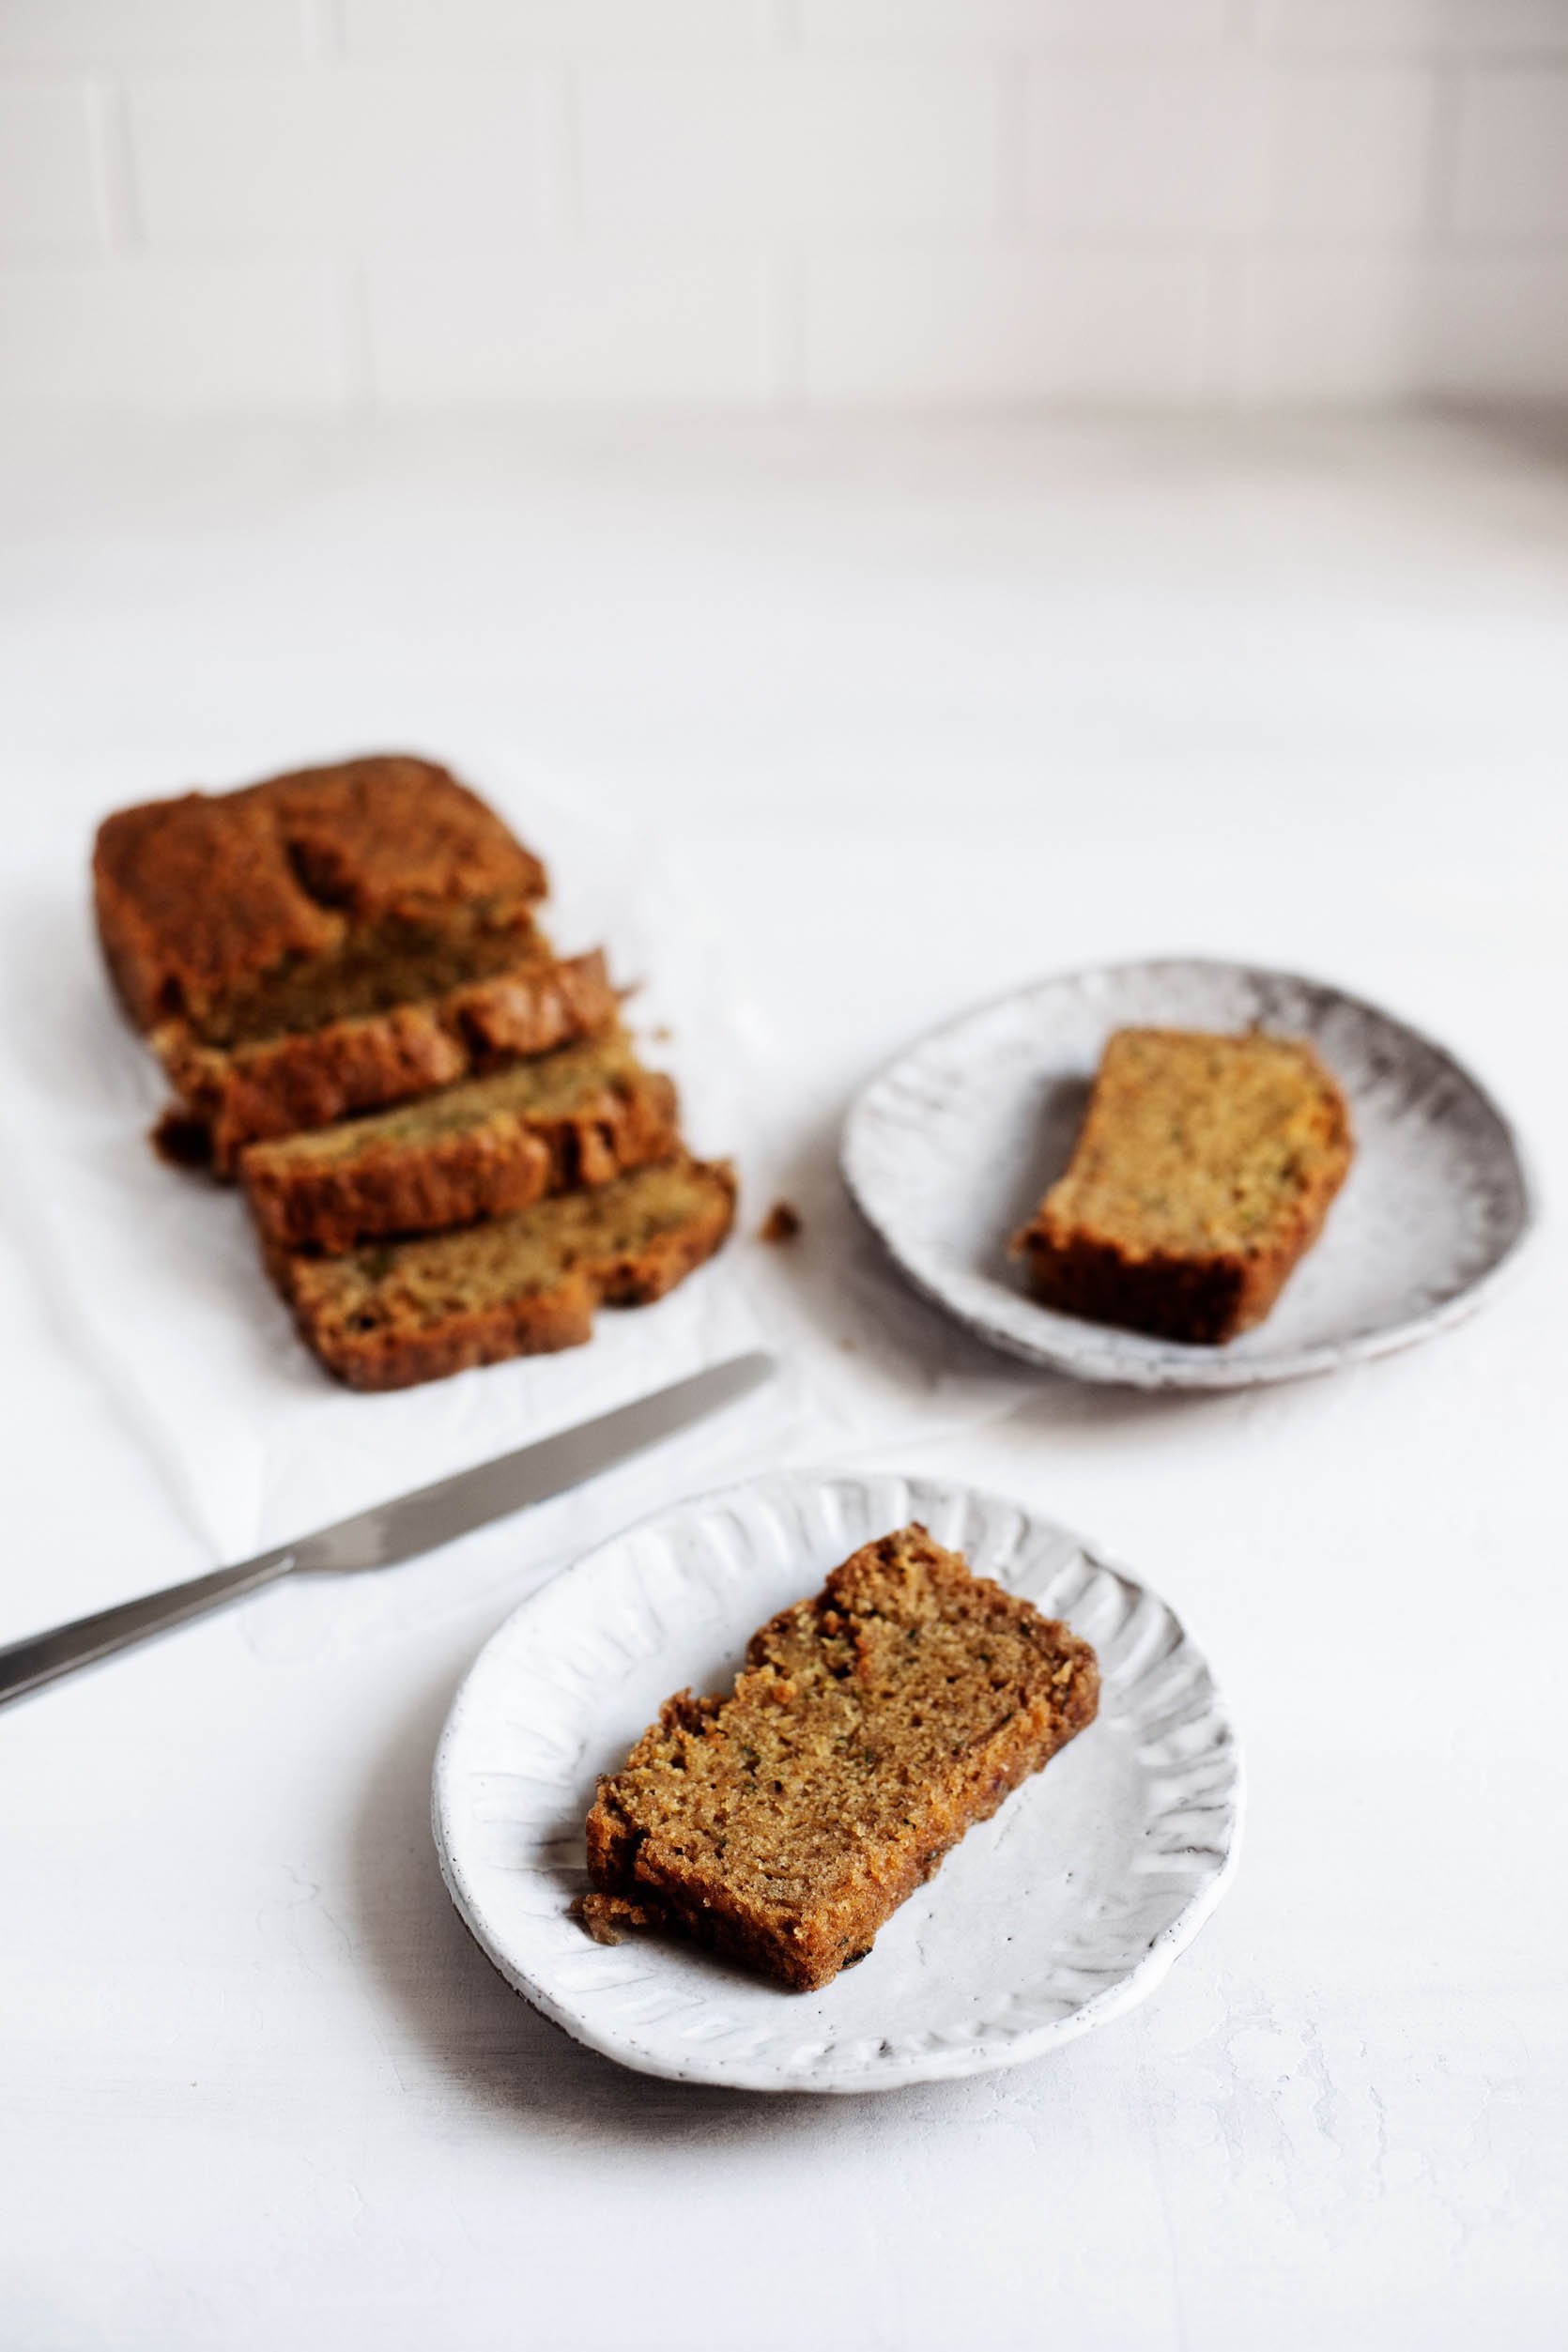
(948, 1150)
(1062, 1910)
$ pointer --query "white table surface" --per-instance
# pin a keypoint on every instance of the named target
(926, 712)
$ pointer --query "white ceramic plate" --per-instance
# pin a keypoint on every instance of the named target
(949, 1149)
(1062, 1911)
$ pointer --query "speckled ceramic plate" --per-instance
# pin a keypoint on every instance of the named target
(1062, 1911)
(948, 1151)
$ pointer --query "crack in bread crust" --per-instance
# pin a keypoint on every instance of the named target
(206, 901)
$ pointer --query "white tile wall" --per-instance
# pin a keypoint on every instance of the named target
(339, 203)
(1463, 28)
(1512, 168)
(213, 334)
(115, 32)
(1351, 151)
(1499, 326)
(991, 24)
(651, 327)
(51, 191)
(721, 151)
(1157, 149)
(974, 323)
(361, 157)
(1333, 327)
(453, 30)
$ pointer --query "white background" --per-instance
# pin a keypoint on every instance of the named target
(912, 710)
(919, 711)
(324, 206)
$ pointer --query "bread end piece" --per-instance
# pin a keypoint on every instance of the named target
(204, 898)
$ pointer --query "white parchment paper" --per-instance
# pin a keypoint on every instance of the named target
(156, 1276)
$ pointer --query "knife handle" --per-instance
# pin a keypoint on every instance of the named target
(27, 1665)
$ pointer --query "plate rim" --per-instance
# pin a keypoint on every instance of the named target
(1175, 1366)
(1127, 1993)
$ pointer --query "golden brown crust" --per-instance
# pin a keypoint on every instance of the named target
(201, 900)
(344, 941)
(1200, 1302)
(399, 1313)
(1202, 1174)
(308, 1079)
(193, 893)
(449, 1181)
(501, 1161)
(530, 1009)
(872, 1726)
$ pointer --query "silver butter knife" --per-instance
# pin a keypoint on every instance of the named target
(391, 1531)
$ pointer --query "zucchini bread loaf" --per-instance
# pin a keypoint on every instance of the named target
(558, 1123)
(392, 1313)
(1202, 1173)
(872, 1726)
(450, 1151)
(327, 941)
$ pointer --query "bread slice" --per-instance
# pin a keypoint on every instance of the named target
(872, 1726)
(248, 913)
(395, 1313)
(578, 1117)
(231, 1095)
(1203, 1171)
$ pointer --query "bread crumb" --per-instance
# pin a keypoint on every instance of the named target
(184, 1141)
(781, 1224)
(609, 1917)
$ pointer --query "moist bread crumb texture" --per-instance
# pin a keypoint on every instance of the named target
(230, 1095)
(873, 1725)
(342, 976)
(572, 1119)
(1203, 1171)
(395, 1313)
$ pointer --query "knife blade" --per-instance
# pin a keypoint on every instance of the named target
(392, 1531)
